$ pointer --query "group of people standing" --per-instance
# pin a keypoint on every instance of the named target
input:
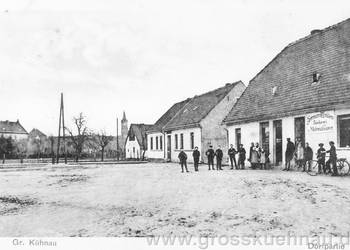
(211, 155)
(304, 155)
(258, 157)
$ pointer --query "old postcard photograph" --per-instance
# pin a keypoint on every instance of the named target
(162, 124)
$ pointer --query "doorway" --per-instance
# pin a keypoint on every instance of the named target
(277, 142)
(299, 125)
(169, 148)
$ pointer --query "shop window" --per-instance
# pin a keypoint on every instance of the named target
(344, 130)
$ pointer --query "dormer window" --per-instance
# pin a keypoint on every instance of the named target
(316, 77)
(274, 90)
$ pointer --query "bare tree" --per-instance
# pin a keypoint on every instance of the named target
(81, 136)
(103, 140)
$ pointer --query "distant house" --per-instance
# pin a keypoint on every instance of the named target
(156, 135)
(302, 94)
(13, 129)
(136, 141)
(196, 122)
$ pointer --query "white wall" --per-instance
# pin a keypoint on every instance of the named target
(250, 133)
(132, 149)
(154, 153)
(187, 143)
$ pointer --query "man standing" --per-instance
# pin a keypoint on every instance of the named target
(210, 154)
(309, 154)
(241, 156)
(289, 154)
(332, 158)
(251, 151)
(232, 154)
(219, 155)
(183, 160)
(196, 154)
(321, 158)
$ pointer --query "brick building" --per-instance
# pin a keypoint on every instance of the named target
(198, 122)
(302, 93)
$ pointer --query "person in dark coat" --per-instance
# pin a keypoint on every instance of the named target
(219, 155)
(210, 154)
(241, 156)
(332, 158)
(232, 154)
(183, 160)
(196, 154)
(309, 155)
(251, 151)
(289, 154)
(321, 158)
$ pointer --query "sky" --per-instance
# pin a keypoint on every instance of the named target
(137, 56)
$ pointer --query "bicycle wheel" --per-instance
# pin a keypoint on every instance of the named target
(343, 167)
(314, 167)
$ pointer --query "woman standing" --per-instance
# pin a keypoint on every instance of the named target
(255, 157)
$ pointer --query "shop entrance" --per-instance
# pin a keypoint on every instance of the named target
(299, 125)
(277, 142)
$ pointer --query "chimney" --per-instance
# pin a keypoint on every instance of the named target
(313, 32)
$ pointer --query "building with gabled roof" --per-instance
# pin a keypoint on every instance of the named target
(155, 134)
(136, 141)
(197, 123)
(13, 129)
(303, 93)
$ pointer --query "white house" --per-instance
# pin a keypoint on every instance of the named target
(136, 141)
(13, 129)
(302, 93)
(155, 135)
(198, 123)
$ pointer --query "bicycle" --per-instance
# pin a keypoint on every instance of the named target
(343, 167)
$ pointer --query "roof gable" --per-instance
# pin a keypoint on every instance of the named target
(167, 116)
(326, 52)
(199, 107)
(139, 132)
(12, 127)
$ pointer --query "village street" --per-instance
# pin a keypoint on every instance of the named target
(156, 199)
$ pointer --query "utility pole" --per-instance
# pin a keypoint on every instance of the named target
(117, 141)
(61, 127)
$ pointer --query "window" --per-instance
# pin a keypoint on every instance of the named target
(151, 143)
(161, 142)
(192, 140)
(181, 141)
(176, 142)
(316, 77)
(299, 132)
(156, 142)
(344, 130)
(238, 137)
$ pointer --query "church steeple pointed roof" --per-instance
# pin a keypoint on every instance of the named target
(124, 117)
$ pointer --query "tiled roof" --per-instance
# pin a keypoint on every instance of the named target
(162, 121)
(8, 127)
(290, 74)
(198, 108)
(36, 132)
(139, 131)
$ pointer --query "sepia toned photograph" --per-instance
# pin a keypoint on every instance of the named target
(191, 124)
